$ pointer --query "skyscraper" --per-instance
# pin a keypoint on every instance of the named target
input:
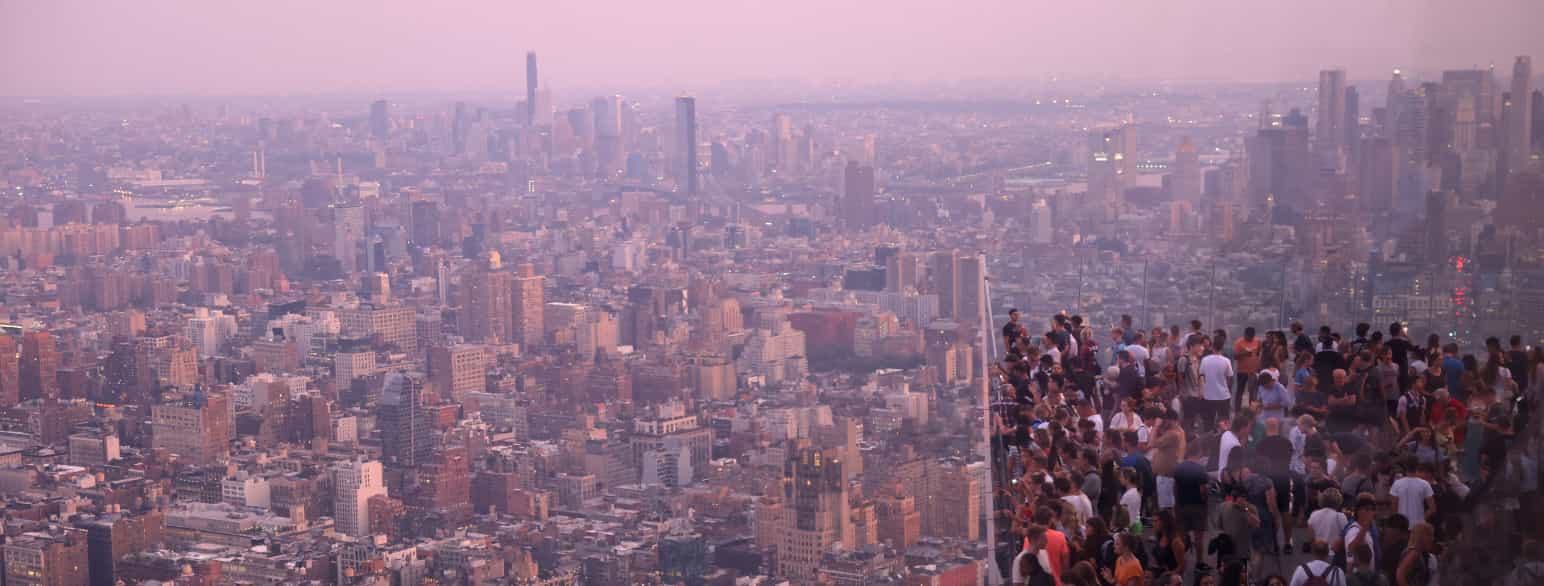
(380, 119)
(1186, 180)
(969, 277)
(530, 88)
(857, 206)
(527, 304)
(1519, 118)
(784, 151)
(944, 270)
(486, 305)
(1112, 168)
(10, 371)
(1329, 126)
(817, 516)
(404, 425)
(355, 482)
(348, 224)
(1280, 166)
(39, 366)
(686, 143)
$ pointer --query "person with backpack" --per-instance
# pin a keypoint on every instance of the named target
(1318, 571)
(1418, 567)
(1361, 530)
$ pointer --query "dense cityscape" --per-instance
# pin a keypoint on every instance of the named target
(547, 338)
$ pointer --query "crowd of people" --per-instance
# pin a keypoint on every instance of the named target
(1281, 458)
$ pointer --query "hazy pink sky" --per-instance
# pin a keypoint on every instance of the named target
(93, 47)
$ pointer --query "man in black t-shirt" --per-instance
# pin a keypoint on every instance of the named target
(1012, 330)
(1343, 396)
(1400, 347)
(1517, 362)
(1191, 488)
(1273, 460)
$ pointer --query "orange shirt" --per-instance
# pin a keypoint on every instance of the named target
(1056, 548)
(1126, 569)
(1247, 354)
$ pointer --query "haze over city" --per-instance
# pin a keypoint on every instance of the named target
(191, 47)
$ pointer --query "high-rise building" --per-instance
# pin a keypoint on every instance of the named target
(901, 272)
(487, 310)
(1185, 181)
(39, 366)
(817, 515)
(1112, 168)
(857, 205)
(900, 523)
(10, 371)
(943, 271)
(969, 277)
(348, 225)
(55, 556)
(527, 308)
(195, 426)
(530, 88)
(380, 119)
(784, 150)
(458, 370)
(404, 424)
(1330, 122)
(1519, 118)
(1378, 173)
(1522, 204)
(394, 324)
(1280, 165)
(686, 143)
(355, 482)
(425, 223)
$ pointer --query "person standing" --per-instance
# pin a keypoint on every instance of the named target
(1216, 378)
(1246, 351)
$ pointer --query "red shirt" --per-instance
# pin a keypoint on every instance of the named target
(1440, 409)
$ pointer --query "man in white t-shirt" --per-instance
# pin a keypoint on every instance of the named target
(1413, 496)
(1216, 381)
(1327, 522)
(1139, 354)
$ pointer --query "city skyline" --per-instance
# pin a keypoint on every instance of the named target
(85, 48)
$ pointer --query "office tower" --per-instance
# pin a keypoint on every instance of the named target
(1436, 227)
(39, 366)
(943, 270)
(404, 424)
(10, 371)
(784, 150)
(971, 270)
(901, 272)
(530, 88)
(1280, 164)
(196, 426)
(458, 128)
(458, 370)
(686, 143)
(380, 119)
(608, 135)
(1329, 126)
(53, 556)
(355, 482)
(348, 231)
(1185, 182)
(1518, 130)
(486, 304)
(1041, 230)
(1394, 104)
(1352, 128)
(1111, 169)
(1378, 173)
(900, 523)
(816, 516)
(527, 306)
(857, 206)
(426, 223)
(1522, 203)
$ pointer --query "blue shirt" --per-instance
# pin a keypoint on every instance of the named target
(1274, 401)
(1453, 371)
